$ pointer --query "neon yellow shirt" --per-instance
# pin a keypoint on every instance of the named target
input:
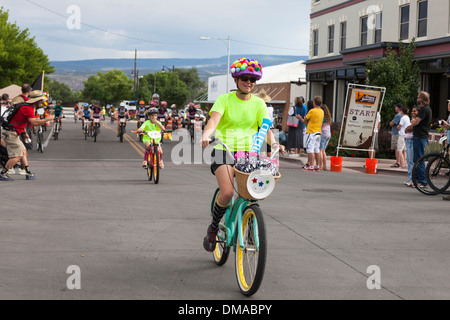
(315, 120)
(240, 120)
(148, 126)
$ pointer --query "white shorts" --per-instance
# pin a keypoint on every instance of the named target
(313, 142)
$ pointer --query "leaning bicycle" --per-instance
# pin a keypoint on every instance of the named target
(242, 227)
(437, 171)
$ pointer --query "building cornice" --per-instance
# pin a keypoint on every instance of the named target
(335, 8)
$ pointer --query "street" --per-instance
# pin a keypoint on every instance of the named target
(329, 234)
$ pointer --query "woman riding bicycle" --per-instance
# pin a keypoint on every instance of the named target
(235, 119)
(152, 125)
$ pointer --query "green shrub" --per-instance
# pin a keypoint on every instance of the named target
(384, 145)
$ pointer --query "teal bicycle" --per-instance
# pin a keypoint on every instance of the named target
(242, 228)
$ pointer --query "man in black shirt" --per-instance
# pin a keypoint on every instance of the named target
(420, 126)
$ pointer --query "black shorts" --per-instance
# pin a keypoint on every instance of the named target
(220, 158)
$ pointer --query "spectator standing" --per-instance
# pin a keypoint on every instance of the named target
(404, 123)
(410, 148)
(4, 107)
(266, 98)
(4, 104)
(295, 134)
(376, 130)
(23, 97)
(16, 150)
(446, 125)
(394, 135)
(313, 120)
(325, 137)
(420, 127)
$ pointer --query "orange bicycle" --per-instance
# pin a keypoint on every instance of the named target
(153, 156)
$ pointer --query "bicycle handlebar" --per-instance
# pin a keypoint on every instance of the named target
(215, 140)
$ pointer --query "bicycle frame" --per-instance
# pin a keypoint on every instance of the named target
(233, 222)
(233, 215)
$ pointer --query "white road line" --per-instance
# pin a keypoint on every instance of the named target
(48, 138)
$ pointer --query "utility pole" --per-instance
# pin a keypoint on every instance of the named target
(135, 73)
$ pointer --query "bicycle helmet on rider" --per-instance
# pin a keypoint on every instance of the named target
(152, 103)
(141, 102)
(163, 104)
(174, 106)
(153, 110)
(246, 67)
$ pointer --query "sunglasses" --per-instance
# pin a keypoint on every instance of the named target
(245, 79)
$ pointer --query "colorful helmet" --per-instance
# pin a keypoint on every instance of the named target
(246, 67)
(163, 103)
(152, 103)
(152, 110)
(191, 104)
(174, 106)
(141, 102)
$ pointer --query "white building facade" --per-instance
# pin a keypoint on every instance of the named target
(345, 33)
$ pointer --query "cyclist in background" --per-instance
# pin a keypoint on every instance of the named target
(175, 115)
(152, 125)
(76, 109)
(121, 113)
(85, 114)
(96, 113)
(58, 112)
(140, 112)
(235, 118)
(190, 114)
(162, 113)
(151, 104)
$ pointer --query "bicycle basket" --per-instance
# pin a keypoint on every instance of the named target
(256, 185)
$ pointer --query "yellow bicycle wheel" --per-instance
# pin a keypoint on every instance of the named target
(251, 260)
(155, 166)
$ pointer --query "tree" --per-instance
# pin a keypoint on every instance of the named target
(193, 83)
(61, 91)
(21, 60)
(108, 88)
(399, 74)
(168, 85)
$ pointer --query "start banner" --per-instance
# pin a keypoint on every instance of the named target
(363, 104)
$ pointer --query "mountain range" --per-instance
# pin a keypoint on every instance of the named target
(74, 73)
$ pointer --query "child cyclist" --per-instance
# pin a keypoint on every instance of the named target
(235, 119)
(152, 124)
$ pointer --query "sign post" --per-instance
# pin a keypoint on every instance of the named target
(362, 105)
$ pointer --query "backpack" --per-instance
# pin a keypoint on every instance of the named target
(6, 122)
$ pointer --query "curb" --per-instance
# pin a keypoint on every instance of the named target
(354, 164)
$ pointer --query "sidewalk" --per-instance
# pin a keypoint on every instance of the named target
(352, 164)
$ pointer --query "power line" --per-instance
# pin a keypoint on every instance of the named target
(103, 30)
(152, 41)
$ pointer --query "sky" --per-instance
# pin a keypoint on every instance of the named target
(100, 29)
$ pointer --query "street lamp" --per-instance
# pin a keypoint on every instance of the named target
(173, 69)
(228, 53)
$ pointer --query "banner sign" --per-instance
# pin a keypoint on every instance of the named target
(360, 117)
